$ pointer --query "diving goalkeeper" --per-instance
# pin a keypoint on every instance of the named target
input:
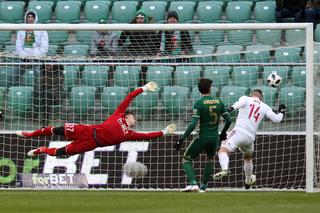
(115, 130)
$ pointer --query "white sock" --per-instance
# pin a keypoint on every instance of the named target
(248, 167)
(223, 160)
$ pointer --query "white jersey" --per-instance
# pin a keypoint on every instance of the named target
(251, 112)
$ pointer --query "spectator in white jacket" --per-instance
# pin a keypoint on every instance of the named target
(30, 43)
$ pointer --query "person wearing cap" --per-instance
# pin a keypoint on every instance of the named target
(103, 43)
(142, 43)
(31, 43)
(174, 42)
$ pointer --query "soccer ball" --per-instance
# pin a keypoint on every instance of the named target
(274, 80)
(135, 169)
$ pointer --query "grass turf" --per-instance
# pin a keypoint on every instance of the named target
(152, 202)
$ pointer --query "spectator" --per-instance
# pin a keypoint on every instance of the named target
(103, 43)
(141, 42)
(312, 11)
(31, 43)
(290, 8)
(174, 42)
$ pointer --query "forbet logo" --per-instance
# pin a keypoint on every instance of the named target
(52, 179)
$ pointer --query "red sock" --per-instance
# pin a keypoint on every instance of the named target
(45, 131)
(50, 151)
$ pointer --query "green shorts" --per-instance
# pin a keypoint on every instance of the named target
(198, 145)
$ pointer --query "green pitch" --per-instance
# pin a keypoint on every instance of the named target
(152, 202)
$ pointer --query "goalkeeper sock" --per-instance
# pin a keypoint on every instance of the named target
(188, 169)
(248, 167)
(45, 131)
(208, 171)
(50, 151)
(224, 160)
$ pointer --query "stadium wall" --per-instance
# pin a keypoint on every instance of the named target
(279, 162)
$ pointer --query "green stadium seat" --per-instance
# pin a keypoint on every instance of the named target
(239, 11)
(269, 94)
(146, 103)
(58, 37)
(12, 11)
(230, 94)
(127, 76)
(184, 9)
(209, 11)
(257, 53)
(265, 11)
(53, 50)
(71, 78)
(287, 55)
(317, 33)
(218, 74)
(245, 76)
(123, 11)
(82, 98)
(19, 100)
(240, 37)
(203, 53)
(175, 99)
(43, 9)
(295, 37)
(2, 98)
(294, 99)
(31, 77)
(76, 50)
(94, 75)
(160, 74)
(196, 95)
(10, 48)
(269, 37)
(84, 37)
(317, 99)
(111, 97)
(211, 37)
(187, 76)
(156, 9)
(283, 71)
(298, 76)
(5, 38)
(94, 11)
(6, 76)
(67, 11)
(229, 53)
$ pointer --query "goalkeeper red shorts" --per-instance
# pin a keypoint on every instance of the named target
(81, 136)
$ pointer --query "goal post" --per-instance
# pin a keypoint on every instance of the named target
(82, 100)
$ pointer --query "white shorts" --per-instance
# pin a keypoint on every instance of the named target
(237, 139)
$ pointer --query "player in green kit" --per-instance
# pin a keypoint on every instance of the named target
(208, 111)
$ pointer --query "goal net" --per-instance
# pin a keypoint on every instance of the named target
(89, 68)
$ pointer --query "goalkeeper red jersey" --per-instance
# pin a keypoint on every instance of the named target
(116, 130)
(112, 131)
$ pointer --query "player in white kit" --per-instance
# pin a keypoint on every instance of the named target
(251, 111)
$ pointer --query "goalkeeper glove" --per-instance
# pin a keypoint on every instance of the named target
(230, 109)
(282, 108)
(169, 129)
(151, 86)
(223, 136)
(178, 143)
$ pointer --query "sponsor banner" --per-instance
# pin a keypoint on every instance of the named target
(279, 162)
(54, 181)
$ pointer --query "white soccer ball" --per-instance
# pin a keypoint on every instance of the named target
(135, 169)
(274, 80)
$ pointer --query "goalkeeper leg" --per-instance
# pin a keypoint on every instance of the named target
(45, 131)
(49, 151)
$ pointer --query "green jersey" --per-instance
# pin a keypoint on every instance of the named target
(209, 110)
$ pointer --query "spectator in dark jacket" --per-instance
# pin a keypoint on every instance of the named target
(174, 42)
(290, 8)
(141, 43)
(312, 11)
